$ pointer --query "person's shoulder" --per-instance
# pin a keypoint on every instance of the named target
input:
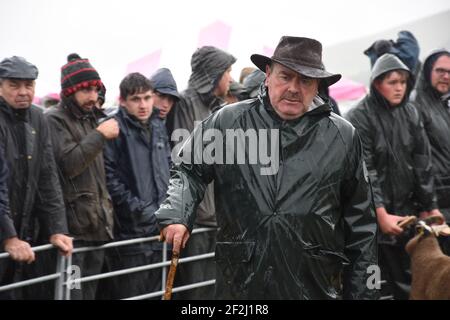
(344, 126)
(231, 112)
(54, 112)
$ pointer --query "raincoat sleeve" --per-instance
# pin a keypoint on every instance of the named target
(188, 182)
(7, 229)
(73, 157)
(117, 188)
(359, 225)
(49, 205)
(365, 132)
(424, 188)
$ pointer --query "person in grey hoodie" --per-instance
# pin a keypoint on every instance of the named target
(397, 154)
(209, 81)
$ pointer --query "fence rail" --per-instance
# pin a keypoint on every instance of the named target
(64, 282)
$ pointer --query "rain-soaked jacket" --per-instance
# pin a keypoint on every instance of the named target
(78, 151)
(435, 113)
(34, 190)
(396, 148)
(307, 231)
(197, 102)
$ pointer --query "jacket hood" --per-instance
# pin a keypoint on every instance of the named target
(388, 62)
(208, 65)
(162, 81)
(253, 81)
(424, 81)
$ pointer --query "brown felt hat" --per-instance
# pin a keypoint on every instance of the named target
(303, 55)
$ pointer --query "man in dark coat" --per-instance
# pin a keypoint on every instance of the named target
(397, 153)
(137, 174)
(300, 225)
(165, 97)
(209, 82)
(36, 205)
(78, 142)
(432, 100)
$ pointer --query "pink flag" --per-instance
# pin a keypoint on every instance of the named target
(346, 89)
(145, 65)
(268, 51)
(216, 34)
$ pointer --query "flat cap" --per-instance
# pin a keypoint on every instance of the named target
(18, 68)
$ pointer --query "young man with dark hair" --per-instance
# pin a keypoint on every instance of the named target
(137, 172)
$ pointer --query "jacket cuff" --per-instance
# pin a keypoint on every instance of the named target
(7, 229)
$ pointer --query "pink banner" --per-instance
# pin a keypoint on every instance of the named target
(145, 65)
(268, 51)
(346, 89)
(216, 34)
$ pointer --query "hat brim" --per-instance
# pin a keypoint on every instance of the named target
(262, 61)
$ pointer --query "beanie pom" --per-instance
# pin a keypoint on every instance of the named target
(73, 56)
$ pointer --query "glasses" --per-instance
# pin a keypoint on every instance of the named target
(441, 71)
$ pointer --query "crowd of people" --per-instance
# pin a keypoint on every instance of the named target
(309, 226)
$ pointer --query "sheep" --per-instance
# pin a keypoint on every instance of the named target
(430, 268)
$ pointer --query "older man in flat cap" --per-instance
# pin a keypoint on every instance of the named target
(299, 226)
(35, 196)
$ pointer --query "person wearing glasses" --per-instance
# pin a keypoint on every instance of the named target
(432, 97)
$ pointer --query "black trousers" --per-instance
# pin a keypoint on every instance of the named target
(137, 283)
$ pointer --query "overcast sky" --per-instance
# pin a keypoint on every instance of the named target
(114, 33)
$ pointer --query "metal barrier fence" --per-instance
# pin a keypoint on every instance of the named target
(64, 281)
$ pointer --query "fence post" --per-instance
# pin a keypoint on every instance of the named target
(59, 282)
(164, 269)
(68, 279)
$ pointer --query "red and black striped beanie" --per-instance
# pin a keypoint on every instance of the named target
(77, 74)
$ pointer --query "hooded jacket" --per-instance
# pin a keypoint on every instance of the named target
(435, 112)
(396, 148)
(198, 102)
(34, 190)
(305, 231)
(78, 151)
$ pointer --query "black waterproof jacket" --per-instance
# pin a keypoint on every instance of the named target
(34, 190)
(6, 223)
(396, 149)
(435, 113)
(306, 231)
(137, 175)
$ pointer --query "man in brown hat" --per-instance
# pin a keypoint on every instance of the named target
(299, 224)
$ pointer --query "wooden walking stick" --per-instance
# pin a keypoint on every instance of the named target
(172, 271)
(171, 276)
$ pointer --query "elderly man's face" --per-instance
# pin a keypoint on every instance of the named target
(18, 93)
(440, 74)
(290, 93)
